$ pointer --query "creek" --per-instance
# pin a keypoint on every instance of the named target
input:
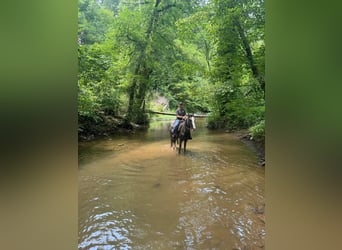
(135, 192)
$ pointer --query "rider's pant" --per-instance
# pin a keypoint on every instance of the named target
(175, 125)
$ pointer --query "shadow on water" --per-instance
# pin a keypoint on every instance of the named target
(135, 192)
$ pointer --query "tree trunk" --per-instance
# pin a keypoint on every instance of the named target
(207, 54)
(132, 89)
(138, 72)
(249, 54)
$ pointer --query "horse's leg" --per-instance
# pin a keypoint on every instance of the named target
(171, 140)
(180, 146)
(185, 145)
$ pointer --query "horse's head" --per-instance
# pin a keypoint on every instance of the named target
(191, 120)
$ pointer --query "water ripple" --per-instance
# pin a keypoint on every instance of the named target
(108, 230)
(146, 196)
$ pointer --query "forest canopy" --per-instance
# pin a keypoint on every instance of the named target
(209, 54)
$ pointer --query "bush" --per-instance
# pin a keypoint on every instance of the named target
(243, 113)
(215, 121)
(257, 132)
(88, 103)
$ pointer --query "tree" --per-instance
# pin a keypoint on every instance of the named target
(235, 19)
(238, 71)
(208, 54)
(94, 20)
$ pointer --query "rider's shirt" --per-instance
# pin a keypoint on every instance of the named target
(180, 112)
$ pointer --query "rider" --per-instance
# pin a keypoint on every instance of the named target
(180, 115)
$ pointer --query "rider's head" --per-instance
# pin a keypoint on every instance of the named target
(180, 104)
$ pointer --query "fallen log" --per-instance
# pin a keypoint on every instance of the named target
(173, 114)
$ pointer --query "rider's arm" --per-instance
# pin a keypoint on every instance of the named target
(179, 116)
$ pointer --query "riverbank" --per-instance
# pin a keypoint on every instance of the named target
(256, 146)
(106, 125)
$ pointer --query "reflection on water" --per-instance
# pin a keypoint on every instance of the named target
(135, 192)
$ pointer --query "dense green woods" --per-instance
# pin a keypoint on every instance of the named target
(210, 54)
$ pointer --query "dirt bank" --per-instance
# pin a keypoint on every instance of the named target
(257, 146)
(106, 125)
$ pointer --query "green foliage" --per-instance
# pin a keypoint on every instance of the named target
(98, 83)
(194, 93)
(233, 109)
(191, 51)
(238, 67)
(93, 21)
(88, 104)
(215, 120)
(239, 114)
(243, 113)
(257, 132)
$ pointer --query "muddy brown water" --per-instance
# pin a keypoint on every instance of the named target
(135, 192)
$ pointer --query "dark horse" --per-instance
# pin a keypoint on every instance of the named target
(183, 133)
